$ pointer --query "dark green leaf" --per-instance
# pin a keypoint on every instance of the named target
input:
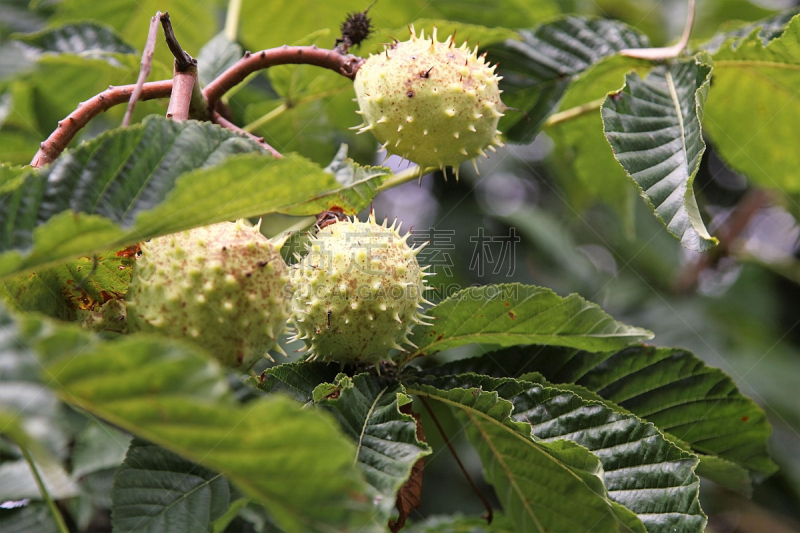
(88, 39)
(644, 471)
(669, 387)
(387, 447)
(298, 380)
(33, 517)
(157, 491)
(97, 447)
(511, 314)
(653, 125)
(543, 486)
(538, 69)
(461, 524)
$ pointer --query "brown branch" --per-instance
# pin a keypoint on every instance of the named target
(86, 111)
(183, 61)
(181, 98)
(147, 60)
(346, 65)
(216, 118)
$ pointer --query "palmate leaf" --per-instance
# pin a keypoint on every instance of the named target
(157, 491)
(752, 112)
(386, 443)
(643, 471)
(511, 314)
(543, 486)
(538, 69)
(292, 460)
(653, 125)
(669, 387)
(132, 184)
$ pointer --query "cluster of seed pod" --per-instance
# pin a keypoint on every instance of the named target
(355, 296)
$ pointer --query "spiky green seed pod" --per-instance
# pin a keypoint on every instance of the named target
(430, 102)
(220, 286)
(357, 293)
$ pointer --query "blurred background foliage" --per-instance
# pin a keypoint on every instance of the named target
(581, 226)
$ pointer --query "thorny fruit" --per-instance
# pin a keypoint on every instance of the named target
(432, 103)
(220, 286)
(357, 292)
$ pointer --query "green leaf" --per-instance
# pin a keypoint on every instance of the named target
(158, 491)
(387, 447)
(216, 56)
(309, 16)
(133, 184)
(461, 524)
(581, 147)
(173, 395)
(538, 69)
(768, 29)
(653, 125)
(17, 481)
(727, 474)
(510, 314)
(669, 387)
(97, 447)
(194, 23)
(543, 486)
(644, 471)
(298, 380)
(752, 112)
(78, 290)
(33, 517)
(88, 39)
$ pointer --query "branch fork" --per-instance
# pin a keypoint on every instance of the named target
(187, 100)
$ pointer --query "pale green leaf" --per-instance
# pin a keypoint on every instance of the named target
(511, 314)
(174, 396)
(752, 113)
(133, 184)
